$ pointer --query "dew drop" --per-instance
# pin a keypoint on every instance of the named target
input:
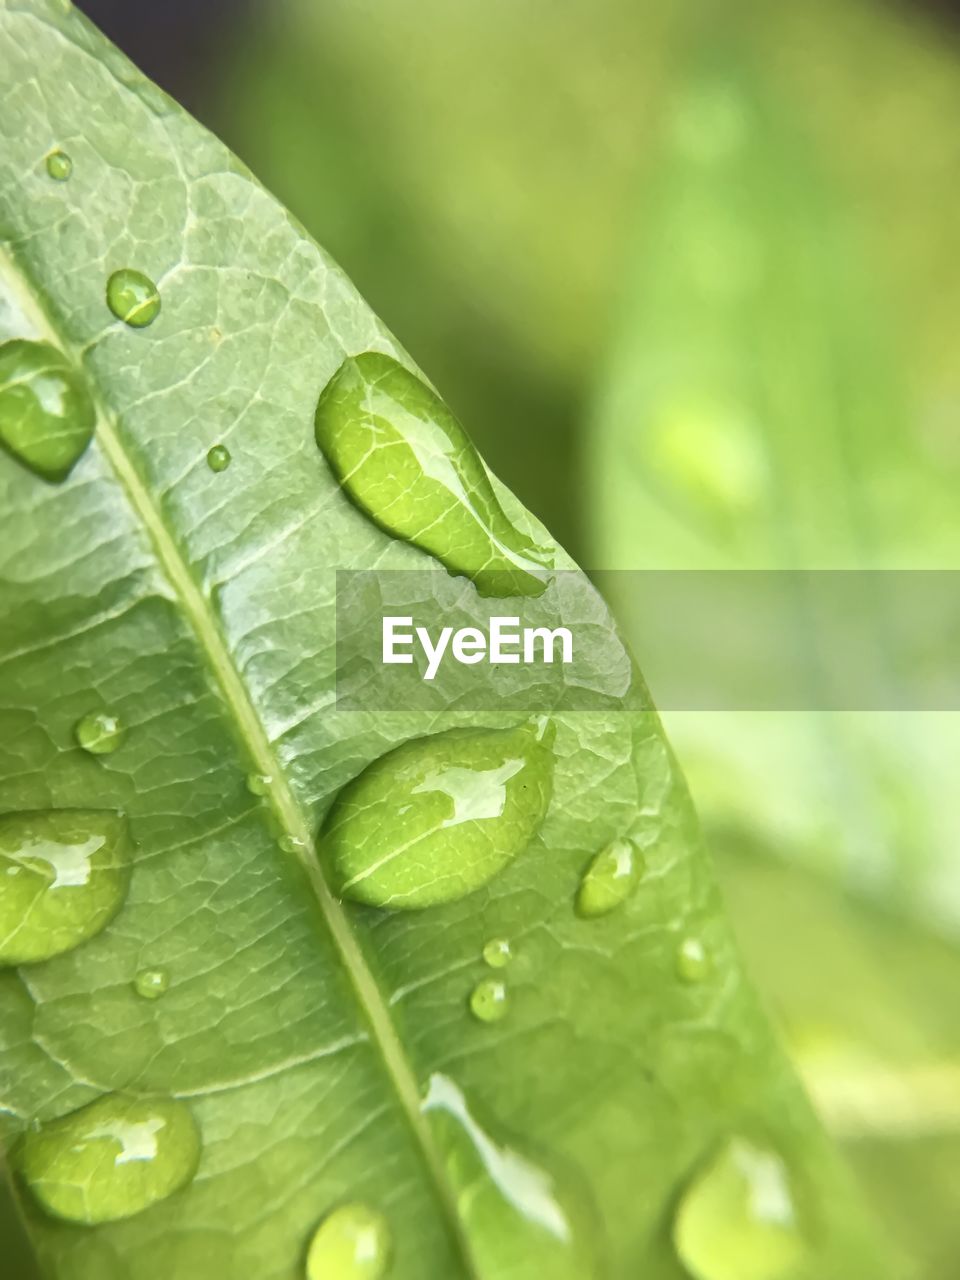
(151, 984)
(488, 1000)
(66, 877)
(46, 413)
(693, 963)
(737, 1219)
(59, 165)
(111, 1159)
(408, 464)
(99, 733)
(133, 297)
(497, 953)
(438, 817)
(218, 458)
(292, 844)
(258, 784)
(609, 879)
(351, 1243)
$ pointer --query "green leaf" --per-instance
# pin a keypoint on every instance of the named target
(324, 1050)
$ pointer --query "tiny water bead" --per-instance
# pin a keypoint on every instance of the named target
(258, 784)
(151, 984)
(693, 963)
(63, 877)
(609, 879)
(408, 464)
(218, 458)
(46, 412)
(737, 1219)
(133, 297)
(111, 1159)
(489, 1001)
(292, 844)
(59, 165)
(497, 953)
(99, 732)
(351, 1243)
(436, 818)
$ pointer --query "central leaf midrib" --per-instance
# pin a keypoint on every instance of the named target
(250, 730)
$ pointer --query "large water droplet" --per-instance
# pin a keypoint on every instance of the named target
(497, 953)
(406, 461)
(488, 1000)
(352, 1243)
(737, 1219)
(111, 1159)
(133, 298)
(63, 876)
(439, 816)
(46, 414)
(218, 458)
(99, 733)
(609, 879)
(59, 165)
(151, 984)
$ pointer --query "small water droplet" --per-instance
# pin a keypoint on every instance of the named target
(693, 963)
(489, 1001)
(351, 1243)
(99, 733)
(46, 413)
(609, 879)
(258, 784)
(404, 459)
(133, 297)
(218, 458)
(438, 817)
(59, 165)
(497, 953)
(292, 844)
(737, 1219)
(72, 870)
(151, 984)
(111, 1159)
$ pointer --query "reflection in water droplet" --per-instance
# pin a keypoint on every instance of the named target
(66, 876)
(218, 458)
(737, 1219)
(99, 733)
(439, 816)
(408, 464)
(352, 1243)
(46, 413)
(258, 784)
(151, 984)
(133, 297)
(488, 1000)
(59, 165)
(111, 1159)
(693, 963)
(609, 879)
(497, 953)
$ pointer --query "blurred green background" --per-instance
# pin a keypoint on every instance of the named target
(689, 272)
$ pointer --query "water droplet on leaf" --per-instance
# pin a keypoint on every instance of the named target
(609, 879)
(438, 817)
(292, 844)
(46, 413)
(737, 1220)
(59, 165)
(352, 1243)
(488, 1000)
(72, 870)
(151, 984)
(258, 784)
(133, 297)
(497, 953)
(111, 1159)
(409, 465)
(218, 458)
(693, 963)
(99, 733)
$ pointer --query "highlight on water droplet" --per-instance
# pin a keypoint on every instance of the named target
(151, 984)
(46, 412)
(63, 877)
(351, 1243)
(488, 1000)
(218, 458)
(609, 879)
(99, 732)
(737, 1219)
(111, 1159)
(258, 784)
(405, 461)
(133, 297)
(438, 817)
(59, 165)
(693, 963)
(497, 953)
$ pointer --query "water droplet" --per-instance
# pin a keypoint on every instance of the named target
(111, 1159)
(438, 817)
(66, 876)
(488, 1000)
(133, 297)
(737, 1219)
(408, 464)
(99, 733)
(258, 784)
(497, 953)
(59, 165)
(609, 879)
(218, 458)
(351, 1243)
(151, 983)
(693, 963)
(46, 414)
(292, 844)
